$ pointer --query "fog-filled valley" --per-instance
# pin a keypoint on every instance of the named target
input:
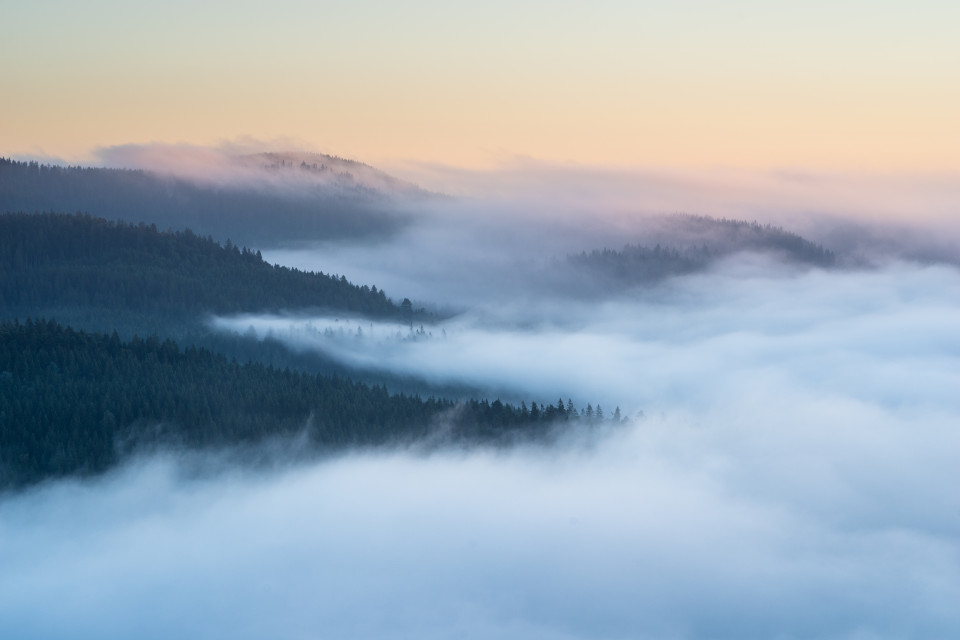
(245, 395)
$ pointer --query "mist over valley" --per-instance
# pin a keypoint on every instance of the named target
(244, 395)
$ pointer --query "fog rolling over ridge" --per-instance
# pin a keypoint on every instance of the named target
(261, 199)
(788, 470)
(255, 165)
(677, 345)
(515, 233)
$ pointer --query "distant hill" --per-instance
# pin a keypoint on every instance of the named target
(685, 244)
(319, 168)
(260, 200)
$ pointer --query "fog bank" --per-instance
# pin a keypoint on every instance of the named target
(821, 520)
(508, 236)
(802, 199)
(793, 476)
(702, 341)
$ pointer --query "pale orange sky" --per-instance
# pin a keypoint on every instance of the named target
(847, 84)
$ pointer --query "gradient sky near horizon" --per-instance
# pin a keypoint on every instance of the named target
(840, 84)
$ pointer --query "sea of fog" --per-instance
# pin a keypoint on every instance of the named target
(747, 334)
(789, 471)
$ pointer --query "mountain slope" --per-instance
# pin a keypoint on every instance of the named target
(50, 261)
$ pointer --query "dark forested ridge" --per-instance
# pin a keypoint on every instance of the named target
(76, 262)
(698, 241)
(246, 214)
(72, 402)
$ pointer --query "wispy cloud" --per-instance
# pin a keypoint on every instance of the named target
(884, 206)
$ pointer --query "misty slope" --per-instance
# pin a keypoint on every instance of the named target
(75, 262)
(250, 209)
(342, 173)
(687, 244)
(70, 402)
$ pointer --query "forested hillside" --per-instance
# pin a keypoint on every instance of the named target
(250, 214)
(51, 261)
(103, 276)
(73, 402)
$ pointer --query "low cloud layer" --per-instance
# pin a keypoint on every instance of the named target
(806, 201)
(793, 476)
(508, 235)
(692, 341)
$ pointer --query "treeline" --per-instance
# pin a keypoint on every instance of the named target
(50, 261)
(249, 215)
(640, 264)
(73, 402)
(706, 240)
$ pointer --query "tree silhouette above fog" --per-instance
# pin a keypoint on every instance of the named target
(73, 402)
(78, 261)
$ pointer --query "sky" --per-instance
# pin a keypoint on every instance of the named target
(840, 85)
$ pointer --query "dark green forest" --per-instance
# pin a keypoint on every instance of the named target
(73, 402)
(247, 215)
(92, 274)
(51, 261)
